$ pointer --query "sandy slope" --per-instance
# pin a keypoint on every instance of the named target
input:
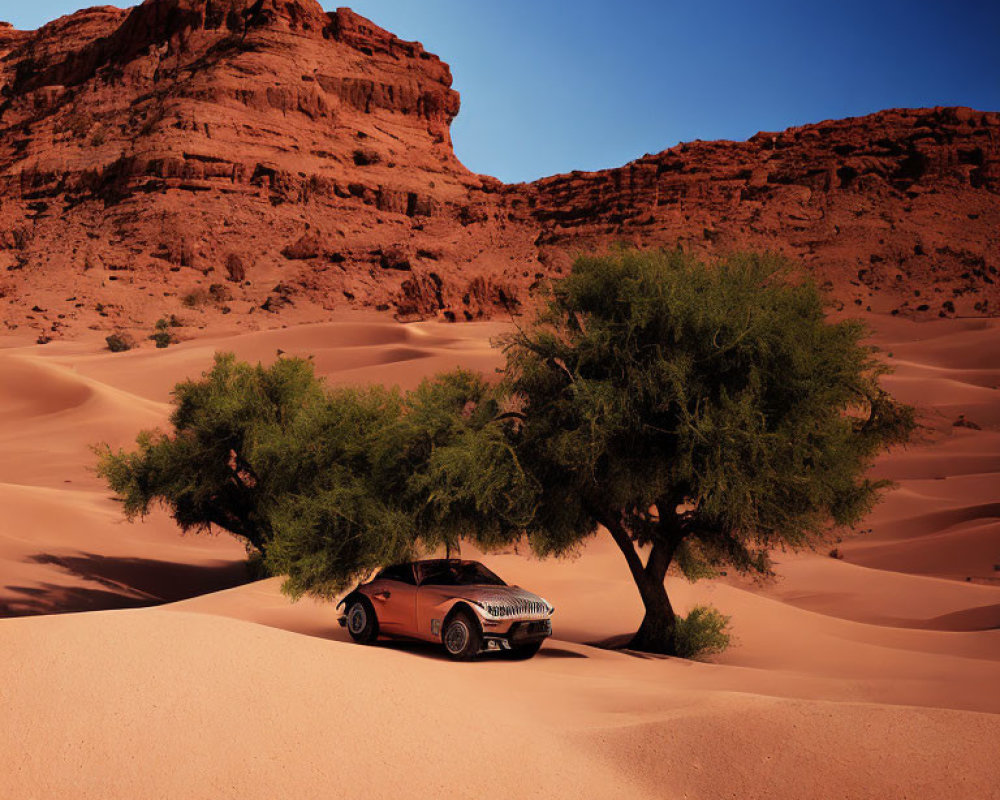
(873, 675)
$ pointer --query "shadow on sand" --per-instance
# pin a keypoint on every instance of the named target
(117, 583)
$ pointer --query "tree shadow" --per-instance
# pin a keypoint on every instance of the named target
(118, 582)
(51, 598)
(619, 644)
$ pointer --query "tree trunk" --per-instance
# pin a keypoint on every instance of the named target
(656, 633)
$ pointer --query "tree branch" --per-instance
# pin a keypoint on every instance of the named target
(623, 540)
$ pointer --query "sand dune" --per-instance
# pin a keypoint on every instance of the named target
(871, 675)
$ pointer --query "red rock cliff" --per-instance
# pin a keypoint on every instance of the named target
(214, 156)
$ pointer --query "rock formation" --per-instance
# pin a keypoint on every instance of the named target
(145, 152)
(900, 209)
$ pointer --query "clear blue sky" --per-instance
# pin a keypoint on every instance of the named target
(552, 86)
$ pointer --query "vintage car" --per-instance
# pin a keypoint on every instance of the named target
(459, 604)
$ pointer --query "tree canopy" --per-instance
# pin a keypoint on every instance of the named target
(323, 484)
(704, 415)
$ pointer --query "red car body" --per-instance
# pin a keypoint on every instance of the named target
(459, 604)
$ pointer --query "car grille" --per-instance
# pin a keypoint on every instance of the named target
(516, 608)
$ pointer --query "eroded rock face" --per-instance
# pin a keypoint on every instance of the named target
(900, 209)
(144, 150)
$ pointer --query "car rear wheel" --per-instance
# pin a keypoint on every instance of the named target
(461, 636)
(362, 623)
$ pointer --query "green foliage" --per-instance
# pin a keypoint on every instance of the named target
(392, 483)
(703, 632)
(326, 484)
(161, 335)
(714, 401)
(709, 413)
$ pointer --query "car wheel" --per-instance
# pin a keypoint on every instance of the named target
(523, 652)
(362, 623)
(461, 636)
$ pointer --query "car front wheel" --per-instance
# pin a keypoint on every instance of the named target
(362, 623)
(461, 636)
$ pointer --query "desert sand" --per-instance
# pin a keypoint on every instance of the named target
(869, 675)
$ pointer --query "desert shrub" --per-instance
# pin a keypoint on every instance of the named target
(197, 298)
(236, 270)
(119, 342)
(214, 294)
(702, 633)
(161, 335)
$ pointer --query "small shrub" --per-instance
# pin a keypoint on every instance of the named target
(703, 632)
(161, 334)
(196, 298)
(214, 294)
(119, 342)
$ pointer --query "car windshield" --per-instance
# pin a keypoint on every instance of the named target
(457, 573)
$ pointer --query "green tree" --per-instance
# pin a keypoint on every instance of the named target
(324, 485)
(223, 463)
(415, 484)
(703, 415)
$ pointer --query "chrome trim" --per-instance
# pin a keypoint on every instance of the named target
(512, 607)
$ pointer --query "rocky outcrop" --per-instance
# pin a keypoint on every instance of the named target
(144, 152)
(899, 209)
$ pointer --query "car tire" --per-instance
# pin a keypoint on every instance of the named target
(523, 652)
(461, 636)
(362, 624)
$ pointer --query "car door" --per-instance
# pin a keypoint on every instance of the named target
(435, 593)
(394, 595)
